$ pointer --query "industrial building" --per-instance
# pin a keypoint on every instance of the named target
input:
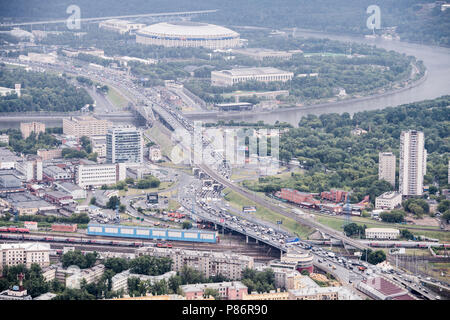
(225, 78)
(124, 145)
(93, 175)
(75, 191)
(191, 235)
(188, 34)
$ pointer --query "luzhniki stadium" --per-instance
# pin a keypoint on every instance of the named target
(188, 34)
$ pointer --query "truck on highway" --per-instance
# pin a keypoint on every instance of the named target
(331, 254)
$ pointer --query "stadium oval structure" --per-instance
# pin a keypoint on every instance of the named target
(188, 34)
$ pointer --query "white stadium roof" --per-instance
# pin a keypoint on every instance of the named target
(187, 28)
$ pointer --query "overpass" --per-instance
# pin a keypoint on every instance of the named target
(145, 15)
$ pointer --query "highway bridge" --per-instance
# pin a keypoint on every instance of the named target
(96, 19)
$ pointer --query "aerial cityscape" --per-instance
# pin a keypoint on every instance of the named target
(220, 150)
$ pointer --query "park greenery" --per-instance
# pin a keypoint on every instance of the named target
(31, 144)
(352, 229)
(40, 92)
(33, 281)
(414, 20)
(80, 218)
(357, 68)
(334, 158)
(258, 281)
(394, 216)
(79, 259)
(373, 257)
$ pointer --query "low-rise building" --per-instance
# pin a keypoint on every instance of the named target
(382, 233)
(99, 174)
(227, 290)
(272, 295)
(58, 197)
(380, 288)
(154, 153)
(323, 293)
(27, 204)
(120, 280)
(388, 200)
(75, 191)
(90, 275)
(50, 154)
(65, 227)
(54, 173)
(26, 253)
(262, 74)
(4, 138)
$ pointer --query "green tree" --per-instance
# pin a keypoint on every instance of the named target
(211, 292)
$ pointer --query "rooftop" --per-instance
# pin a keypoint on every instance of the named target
(253, 71)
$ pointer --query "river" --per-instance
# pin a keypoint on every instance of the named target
(436, 84)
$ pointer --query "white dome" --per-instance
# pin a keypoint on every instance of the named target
(188, 29)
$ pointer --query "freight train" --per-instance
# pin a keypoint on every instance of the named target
(14, 230)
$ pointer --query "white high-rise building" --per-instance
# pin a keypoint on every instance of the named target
(386, 167)
(124, 145)
(413, 162)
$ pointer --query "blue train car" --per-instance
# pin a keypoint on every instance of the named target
(121, 231)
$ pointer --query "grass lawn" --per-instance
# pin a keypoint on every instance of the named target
(337, 224)
(173, 205)
(116, 98)
(162, 140)
(131, 191)
(237, 202)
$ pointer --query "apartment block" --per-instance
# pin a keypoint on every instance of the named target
(413, 163)
(26, 128)
(85, 126)
(13, 254)
(386, 167)
(230, 265)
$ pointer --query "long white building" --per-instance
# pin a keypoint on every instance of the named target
(234, 76)
(382, 233)
(13, 254)
(92, 175)
(413, 162)
(386, 167)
